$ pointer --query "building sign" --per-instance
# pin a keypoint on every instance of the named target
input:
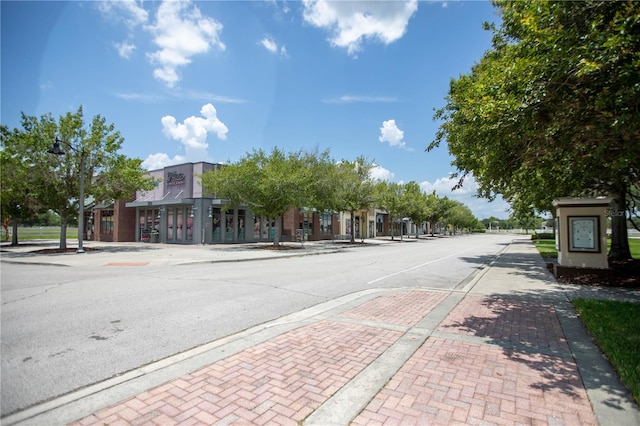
(583, 234)
(175, 178)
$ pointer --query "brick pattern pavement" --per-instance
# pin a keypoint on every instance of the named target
(451, 381)
(454, 382)
(530, 323)
(403, 308)
(280, 381)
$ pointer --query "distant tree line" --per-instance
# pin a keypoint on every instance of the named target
(272, 183)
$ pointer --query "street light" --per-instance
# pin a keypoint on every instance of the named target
(56, 150)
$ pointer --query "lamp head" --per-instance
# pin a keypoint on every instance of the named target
(55, 149)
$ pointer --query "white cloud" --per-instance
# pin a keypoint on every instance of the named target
(180, 31)
(47, 85)
(178, 94)
(352, 22)
(125, 49)
(391, 134)
(272, 46)
(379, 173)
(131, 13)
(269, 44)
(347, 99)
(128, 11)
(193, 132)
(480, 207)
(161, 160)
(207, 96)
(139, 97)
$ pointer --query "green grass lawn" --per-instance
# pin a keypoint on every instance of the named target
(43, 233)
(547, 248)
(615, 326)
(634, 245)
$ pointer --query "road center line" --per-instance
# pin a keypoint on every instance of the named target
(423, 264)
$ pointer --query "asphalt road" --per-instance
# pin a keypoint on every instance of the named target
(67, 327)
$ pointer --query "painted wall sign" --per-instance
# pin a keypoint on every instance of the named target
(174, 178)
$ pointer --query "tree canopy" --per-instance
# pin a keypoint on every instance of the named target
(553, 108)
(34, 181)
(354, 189)
(269, 184)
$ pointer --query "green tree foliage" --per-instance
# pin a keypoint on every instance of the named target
(460, 217)
(439, 208)
(389, 198)
(408, 200)
(493, 223)
(17, 201)
(34, 181)
(353, 187)
(321, 172)
(269, 184)
(553, 108)
(434, 212)
(527, 221)
(415, 204)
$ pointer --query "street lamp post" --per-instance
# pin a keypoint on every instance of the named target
(56, 150)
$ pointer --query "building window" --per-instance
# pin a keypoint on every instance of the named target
(189, 219)
(106, 222)
(325, 224)
(170, 230)
(149, 223)
(379, 224)
(241, 222)
(256, 227)
(216, 224)
(228, 226)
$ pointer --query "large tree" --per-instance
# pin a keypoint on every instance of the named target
(460, 217)
(415, 204)
(34, 180)
(17, 200)
(388, 197)
(354, 188)
(553, 108)
(269, 184)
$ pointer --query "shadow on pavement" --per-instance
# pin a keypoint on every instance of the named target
(542, 331)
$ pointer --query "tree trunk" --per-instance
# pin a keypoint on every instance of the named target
(14, 237)
(63, 232)
(619, 238)
(353, 235)
(276, 236)
(391, 225)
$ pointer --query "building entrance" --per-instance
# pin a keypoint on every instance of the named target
(179, 224)
(149, 225)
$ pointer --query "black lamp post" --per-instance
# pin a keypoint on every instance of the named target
(56, 150)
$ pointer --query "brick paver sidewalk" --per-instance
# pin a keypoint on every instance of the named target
(489, 362)
(451, 381)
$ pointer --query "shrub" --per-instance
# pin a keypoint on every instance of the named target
(544, 236)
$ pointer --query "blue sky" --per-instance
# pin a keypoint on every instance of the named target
(188, 81)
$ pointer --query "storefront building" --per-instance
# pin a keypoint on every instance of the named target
(177, 211)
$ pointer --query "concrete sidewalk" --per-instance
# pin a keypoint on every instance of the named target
(504, 347)
(143, 254)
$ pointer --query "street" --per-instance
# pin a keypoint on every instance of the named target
(67, 327)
